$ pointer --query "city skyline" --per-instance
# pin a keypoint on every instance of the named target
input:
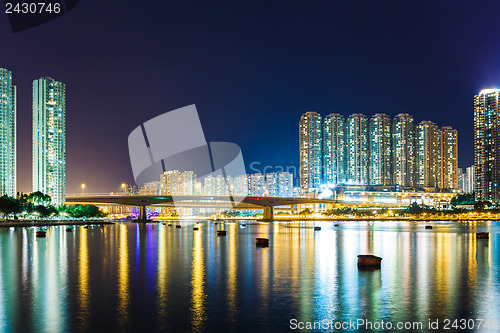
(376, 150)
(428, 67)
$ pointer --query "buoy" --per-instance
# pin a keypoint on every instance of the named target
(368, 260)
(262, 242)
(317, 228)
(221, 232)
(178, 226)
(482, 235)
(41, 234)
(428, 227)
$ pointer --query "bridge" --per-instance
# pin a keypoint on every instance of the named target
(215, 201)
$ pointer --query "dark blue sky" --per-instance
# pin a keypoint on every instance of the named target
(252, 68)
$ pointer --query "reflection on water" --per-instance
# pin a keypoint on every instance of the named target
(160, 278)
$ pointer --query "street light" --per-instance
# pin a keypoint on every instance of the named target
(123, 188)
(83, 189)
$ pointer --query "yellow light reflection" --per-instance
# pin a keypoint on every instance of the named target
(198, 296)
(123, 279)
(231, 274)
(83, 279)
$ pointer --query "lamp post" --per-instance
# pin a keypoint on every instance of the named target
(83, 189)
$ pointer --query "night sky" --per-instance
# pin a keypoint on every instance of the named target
(252, 68)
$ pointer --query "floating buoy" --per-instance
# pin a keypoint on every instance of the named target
(482, 235)
(317, 228)
(368, 260)
(428, 227)
(221, 232)
(262, 242)
(41, 234)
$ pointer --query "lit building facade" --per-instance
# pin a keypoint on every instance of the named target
(403, 150)
(334, 149)
(7, 134)
(487, 145)
(428, 153)
(357, 149)
(311, 151)
(380, 150)
(449, 158)
(470, 180)
(49, 138)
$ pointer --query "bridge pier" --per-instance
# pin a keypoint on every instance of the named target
(143, 216)
(268, 214)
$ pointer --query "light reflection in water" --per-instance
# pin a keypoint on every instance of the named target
(83, 279)
(185, 280)
(198, 302)
(123, 278)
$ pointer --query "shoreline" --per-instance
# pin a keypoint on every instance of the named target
(34, 223)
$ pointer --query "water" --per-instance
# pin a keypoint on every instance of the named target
(158, 278)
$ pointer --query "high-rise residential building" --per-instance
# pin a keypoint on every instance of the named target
(470, 180)
(461, 180)
(357, 148)
(49, 138)
(487, 145)
(449, 158)
(7, 134)
(240, 185)
(380, 150)
(403, 150)
(279, 184)
(428, 153)
(334, 149)
(285, 184)
(256, 184)
(311, 151)
(175, 182)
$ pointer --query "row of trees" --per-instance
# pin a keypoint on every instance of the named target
(39, 204)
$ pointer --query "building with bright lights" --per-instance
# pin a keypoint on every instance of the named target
(380, 149)
(403, 150)
(449, 158)
(279, 184)
(469, 181)
(334, 149)
(49, 138)
(428, 154)
(487, 145)
(311, 151)
(357, 149)
(7, 134)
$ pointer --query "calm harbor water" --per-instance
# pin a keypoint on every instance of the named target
(152, 277)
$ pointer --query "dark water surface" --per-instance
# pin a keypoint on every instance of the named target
(152, 277)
